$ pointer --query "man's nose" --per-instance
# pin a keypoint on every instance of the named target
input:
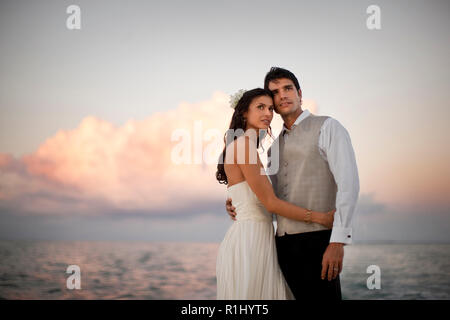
(283, 95)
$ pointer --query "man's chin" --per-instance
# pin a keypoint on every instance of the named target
(284, 112)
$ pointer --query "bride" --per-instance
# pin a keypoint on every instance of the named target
(247, 265)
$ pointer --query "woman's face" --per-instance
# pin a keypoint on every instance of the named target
(260, 113)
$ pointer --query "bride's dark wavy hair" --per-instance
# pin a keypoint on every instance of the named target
(238, 122)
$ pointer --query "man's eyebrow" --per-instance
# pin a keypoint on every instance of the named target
(273, 91)
(288, 86)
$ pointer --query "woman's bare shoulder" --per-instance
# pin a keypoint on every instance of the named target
(239, 151)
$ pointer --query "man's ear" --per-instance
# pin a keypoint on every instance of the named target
(300, 93)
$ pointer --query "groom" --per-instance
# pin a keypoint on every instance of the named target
(317, 170)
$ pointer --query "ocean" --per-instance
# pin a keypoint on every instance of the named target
(149, 270)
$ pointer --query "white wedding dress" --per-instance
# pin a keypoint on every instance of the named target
(247, 265)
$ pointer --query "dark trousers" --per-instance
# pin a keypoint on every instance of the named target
(300, 258)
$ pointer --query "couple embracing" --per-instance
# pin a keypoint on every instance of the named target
(313, 192)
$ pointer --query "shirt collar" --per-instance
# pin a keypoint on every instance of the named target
(299, 119)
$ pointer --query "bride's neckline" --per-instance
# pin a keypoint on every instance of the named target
(229, 187)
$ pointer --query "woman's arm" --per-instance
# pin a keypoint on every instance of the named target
(260, 185)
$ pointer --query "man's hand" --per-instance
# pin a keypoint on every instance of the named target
(332, 261)
(230, 209)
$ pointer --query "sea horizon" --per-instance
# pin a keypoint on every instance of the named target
(354, 242)
(147, 270)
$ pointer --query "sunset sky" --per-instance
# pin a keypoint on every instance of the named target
(88, 117)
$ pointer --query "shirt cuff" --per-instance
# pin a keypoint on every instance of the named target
(341, 235)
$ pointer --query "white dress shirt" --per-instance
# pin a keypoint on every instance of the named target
(335, 147)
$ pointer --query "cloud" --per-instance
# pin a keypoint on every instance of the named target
(98, 166)
(379, 221)
(368, 206)
(133, 169)
(99, 174)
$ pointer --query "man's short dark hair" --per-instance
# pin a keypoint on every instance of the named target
(279, 73)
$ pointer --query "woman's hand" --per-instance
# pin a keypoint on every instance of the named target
(325, 219)
(230, 209)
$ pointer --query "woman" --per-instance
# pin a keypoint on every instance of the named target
(247, 266)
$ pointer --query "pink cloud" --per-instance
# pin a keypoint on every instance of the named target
(127, 167)
(98, 166)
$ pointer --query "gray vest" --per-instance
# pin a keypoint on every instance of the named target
(303, 177)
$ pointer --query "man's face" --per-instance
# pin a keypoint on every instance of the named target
(286, 98)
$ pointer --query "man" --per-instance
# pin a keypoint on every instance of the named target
(317, 170)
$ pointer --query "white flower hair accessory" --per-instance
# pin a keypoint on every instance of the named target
(234, 99)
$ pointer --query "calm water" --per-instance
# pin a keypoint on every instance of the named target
(137, 270)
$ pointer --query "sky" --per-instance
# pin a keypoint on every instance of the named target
(91, 119)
